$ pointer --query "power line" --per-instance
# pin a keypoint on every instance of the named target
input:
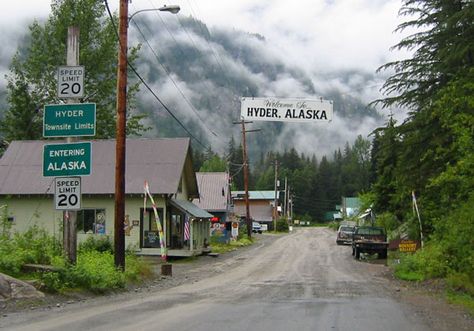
(171, 78)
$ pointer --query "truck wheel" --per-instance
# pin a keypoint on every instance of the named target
(357, 253)
(383, 255)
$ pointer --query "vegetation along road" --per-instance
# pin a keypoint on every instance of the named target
(300, 281)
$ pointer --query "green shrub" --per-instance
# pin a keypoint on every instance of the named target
(97, 243)
(136, 269)
(461, 282)
(282, 225)
(95, 271)
(33, 246)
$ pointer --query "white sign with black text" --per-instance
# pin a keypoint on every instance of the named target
(71, 82)
(67, 193)
(286, 110)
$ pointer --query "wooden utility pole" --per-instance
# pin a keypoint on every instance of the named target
(275, 202)
(70, 216)
(285, 204)
(248, 219)
(119, 233)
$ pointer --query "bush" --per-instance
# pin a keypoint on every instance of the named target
(33, 246)
(95, 271)
(282, 225)
(97, 243)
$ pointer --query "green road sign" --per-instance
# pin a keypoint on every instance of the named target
(66, 120)
(72, 159)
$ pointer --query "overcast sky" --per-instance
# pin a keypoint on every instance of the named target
(329, 34)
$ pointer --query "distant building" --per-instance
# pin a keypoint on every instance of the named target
(215, 198)
(261, 205)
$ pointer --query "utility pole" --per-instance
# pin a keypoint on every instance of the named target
(275, 202)
(70, 216)
(248, 219)
(285, 204)
(119, 233)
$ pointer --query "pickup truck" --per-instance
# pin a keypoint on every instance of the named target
(371, 240)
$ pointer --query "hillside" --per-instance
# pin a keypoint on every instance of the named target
(200, 74)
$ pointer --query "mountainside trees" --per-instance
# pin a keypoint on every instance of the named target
(432, 151)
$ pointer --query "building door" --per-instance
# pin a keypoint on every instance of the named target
(149, 236)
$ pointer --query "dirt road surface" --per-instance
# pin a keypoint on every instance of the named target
(301, 281)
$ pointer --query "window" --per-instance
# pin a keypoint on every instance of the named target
(91, 221)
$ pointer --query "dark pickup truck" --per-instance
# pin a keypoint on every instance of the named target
(369, 239)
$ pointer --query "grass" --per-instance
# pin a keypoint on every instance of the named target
(218, 247)
(461, 299)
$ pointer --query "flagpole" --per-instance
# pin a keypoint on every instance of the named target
(419, 218)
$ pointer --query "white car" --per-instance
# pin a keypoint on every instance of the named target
(256, 227)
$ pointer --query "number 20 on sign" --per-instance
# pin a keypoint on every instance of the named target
(67, 193)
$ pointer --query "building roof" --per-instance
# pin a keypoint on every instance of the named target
(213, 191)
(259, 211)
(190, 208)
(256, 195)
(161, 162)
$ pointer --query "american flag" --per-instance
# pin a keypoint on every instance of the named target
(187, 234)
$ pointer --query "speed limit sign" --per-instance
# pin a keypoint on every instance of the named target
(67, 193)
(71, 82)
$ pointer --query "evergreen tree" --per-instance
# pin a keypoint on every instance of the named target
(443, 45)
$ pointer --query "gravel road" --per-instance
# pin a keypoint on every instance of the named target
(300, 281)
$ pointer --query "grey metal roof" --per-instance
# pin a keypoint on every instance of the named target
(213, 191)
(161, 162)
(190, 208)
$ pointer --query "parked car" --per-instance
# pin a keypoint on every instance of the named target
(344, 234)
(371, 240)
(256, 227)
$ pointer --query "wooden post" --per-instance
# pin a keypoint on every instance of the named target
(275, 202)
(70, 216)
(246, 182)
(119, 233)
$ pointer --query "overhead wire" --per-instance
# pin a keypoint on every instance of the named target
(148, 86)
(171, 77)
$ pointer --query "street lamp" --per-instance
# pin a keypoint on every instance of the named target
(119, 233)
(173, 9)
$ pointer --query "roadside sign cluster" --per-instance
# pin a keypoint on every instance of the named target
(67, 161)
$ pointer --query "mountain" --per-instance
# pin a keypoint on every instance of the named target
(200, 74)
(214, 68)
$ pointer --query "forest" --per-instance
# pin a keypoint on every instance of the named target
(315, 186)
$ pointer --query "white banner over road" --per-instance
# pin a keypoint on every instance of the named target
(286, 110)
